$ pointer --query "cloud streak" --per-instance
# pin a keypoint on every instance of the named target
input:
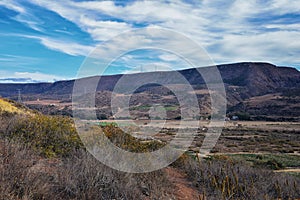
(12, 5)
(67, 47)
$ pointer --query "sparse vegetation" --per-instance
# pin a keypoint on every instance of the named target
(269, 161)
(223, 178)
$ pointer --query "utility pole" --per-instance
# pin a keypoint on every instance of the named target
(19, 96)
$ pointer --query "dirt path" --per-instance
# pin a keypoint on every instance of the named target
(254, 153)
(183, 188)
(297, 170)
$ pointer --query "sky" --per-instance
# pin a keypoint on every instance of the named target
(46, 40)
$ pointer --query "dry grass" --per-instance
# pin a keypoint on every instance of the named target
(225, 179)
(24, 175)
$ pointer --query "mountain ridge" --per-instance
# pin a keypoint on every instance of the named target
(257, 76)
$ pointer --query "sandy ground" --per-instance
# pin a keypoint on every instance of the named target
(296, 170)
(47, 102)
(196, 124)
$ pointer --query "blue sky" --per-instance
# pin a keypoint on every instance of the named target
(46, 40)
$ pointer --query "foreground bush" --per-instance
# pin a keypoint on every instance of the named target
(24, 175)
(51, 136)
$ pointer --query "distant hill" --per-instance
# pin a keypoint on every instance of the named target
(257, 88)
(256, 78)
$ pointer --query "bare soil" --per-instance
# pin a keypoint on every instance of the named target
(184, 190)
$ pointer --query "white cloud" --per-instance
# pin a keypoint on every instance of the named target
(168, 57)
(150, 67)
(227, 25)
(286, 27)
(23, 15)
(100, 30)
(284, 7)
(27, 77)
(241, 9)
(12, 5)
(97, 5)
(70, 48)
(262, 47)
(27, 19)
(38, 76)
(103, 30)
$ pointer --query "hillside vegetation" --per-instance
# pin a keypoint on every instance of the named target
(8, 106)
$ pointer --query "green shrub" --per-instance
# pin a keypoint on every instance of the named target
(244, 116)
(128, 142)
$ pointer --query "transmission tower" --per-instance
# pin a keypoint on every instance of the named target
(19, 96)
(142, 68)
